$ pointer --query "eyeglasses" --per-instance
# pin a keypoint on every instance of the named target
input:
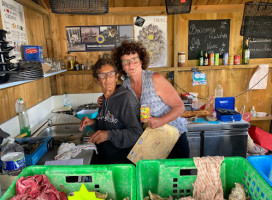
(132, 60)
(110, 74)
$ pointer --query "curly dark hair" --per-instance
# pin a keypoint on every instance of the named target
(98, 65)
(127, 48)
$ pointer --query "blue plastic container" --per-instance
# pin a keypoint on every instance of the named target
(87, 113)
(33, 53)
(32, 159)
(263, 164)
(226, 103)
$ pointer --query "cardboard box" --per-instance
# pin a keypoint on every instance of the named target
(154, 143)
(33, 53)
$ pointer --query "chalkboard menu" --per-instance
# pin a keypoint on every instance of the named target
(260, 47)
(208, 35)
(257, 26)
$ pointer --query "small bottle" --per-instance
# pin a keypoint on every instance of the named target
(76, 64)
(200, 58)
(70, 62)
(206, 59)
(66, 100)
(246, 53)
(13, 159)
(218, 91)
(253, 112)
(23, 118)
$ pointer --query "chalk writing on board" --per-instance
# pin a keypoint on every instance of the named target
(260, 47)
(208, 35)
(257, 26)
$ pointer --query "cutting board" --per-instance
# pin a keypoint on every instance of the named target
(203, 120)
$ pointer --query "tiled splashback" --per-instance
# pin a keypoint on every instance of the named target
(38, 112)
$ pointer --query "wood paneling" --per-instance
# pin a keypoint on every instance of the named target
(51, 34)
(32, 93)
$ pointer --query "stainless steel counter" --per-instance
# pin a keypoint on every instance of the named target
(63, 128)
(218, 138)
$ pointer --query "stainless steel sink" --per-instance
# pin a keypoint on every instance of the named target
(63, 133)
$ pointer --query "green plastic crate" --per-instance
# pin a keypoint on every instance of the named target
(117, 180)
(163, 177)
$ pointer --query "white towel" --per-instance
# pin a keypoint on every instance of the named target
(68, 150)
(257, 76)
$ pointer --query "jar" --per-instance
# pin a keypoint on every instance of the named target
(181, 59)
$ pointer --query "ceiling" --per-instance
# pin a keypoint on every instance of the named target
(147, 3)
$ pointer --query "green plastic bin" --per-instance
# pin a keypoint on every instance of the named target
(117, 180)
(163, 177)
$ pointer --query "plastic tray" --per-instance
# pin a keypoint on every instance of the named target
(163, 178)
(33, 158)
(263, 164)
(117, 180)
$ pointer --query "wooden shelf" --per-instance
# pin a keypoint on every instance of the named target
(10, 84)
(204, 68)
(261, 118)
(79, 72)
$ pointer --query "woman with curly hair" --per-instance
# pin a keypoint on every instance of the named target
(153, 90)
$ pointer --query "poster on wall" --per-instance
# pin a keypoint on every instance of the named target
(13, 21)
(97, 38)
(153, 35)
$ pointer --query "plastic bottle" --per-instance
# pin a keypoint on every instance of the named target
(66, 100)
(218, 91)
(253, 112)
(23, 118)
(13, 159)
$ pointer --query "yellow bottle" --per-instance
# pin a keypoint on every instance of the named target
(70, 62)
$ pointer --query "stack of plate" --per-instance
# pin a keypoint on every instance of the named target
(27, 71)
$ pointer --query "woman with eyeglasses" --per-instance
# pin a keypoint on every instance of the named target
(152, 89)
(118, 121)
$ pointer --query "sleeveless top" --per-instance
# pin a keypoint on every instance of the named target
(149, 97)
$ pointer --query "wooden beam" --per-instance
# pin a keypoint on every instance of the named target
(43, 4)
(217, 8)
(161, 10)
(137, 10)
(33, 6)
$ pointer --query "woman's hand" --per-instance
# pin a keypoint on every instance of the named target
(155, 122)
(100, 101)
(85, 122)
(99, 136)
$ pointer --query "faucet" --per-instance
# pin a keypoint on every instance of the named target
(49, 122)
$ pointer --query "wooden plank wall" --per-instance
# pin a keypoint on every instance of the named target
(33, 92)
(50, 33)
(233, 81)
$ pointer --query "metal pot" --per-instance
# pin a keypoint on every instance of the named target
(4, 57)
(5, 66)
(3, 35)
(4, 78)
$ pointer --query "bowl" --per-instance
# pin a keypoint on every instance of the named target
(92, 113)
